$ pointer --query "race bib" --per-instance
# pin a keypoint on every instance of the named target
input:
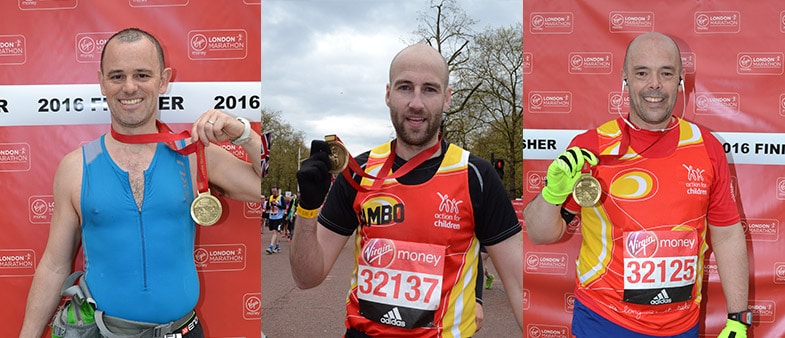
(660, 267)
(399, 283)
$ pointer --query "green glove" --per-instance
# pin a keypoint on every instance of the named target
(563, 172)
(733, 329)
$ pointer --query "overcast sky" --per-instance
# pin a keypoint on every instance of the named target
(325, 62)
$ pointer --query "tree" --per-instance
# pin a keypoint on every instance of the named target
(285, 146)
(486, 76)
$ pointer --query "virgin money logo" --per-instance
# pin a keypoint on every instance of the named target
(41, 209)
(157, 3)
(760, 63)
(550, 102)
(32, 5)
(630, 21)
(551, 23)
(717, 22)
(90, 45)
(379, 252)
(221, 44)
(252, 306)
(641, 244)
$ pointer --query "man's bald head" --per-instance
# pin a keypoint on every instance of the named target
(420, 55)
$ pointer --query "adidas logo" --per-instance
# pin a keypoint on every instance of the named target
(393, 318)
(661, 298)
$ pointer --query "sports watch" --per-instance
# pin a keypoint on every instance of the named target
(744, 317)
(246, 135)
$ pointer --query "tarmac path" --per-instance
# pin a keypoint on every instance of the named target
(289, 312)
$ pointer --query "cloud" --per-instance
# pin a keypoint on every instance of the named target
(325, 63)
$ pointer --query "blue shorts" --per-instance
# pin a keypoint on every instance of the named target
(588, 324)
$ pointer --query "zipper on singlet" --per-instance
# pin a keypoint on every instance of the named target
(142, 246)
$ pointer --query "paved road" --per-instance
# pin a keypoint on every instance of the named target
(319, 312)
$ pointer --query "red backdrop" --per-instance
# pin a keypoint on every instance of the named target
(733, 53)
(50, 104)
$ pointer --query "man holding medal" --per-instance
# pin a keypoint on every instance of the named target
(132, 198)
(418, 208)
(650, 188)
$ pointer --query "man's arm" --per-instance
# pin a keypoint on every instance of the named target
(314, 251)
(543, 220)
(64, 237)
(729, 245)
(238, 179)
(507, 257)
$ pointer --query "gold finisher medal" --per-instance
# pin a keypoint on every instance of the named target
(586, 190)
(339, 156)
(206, 209)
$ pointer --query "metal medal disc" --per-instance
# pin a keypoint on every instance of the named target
(586, 191)
(339, 156)
(206, 209)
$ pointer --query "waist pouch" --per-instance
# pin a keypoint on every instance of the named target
(80, 317)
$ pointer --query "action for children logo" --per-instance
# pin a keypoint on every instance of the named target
(17, 262)
(716, 103)
(759, 63)
(13, 49)
(695, 185)
(717, 22)
(252, 306)
(220, 257)
(90, 45)
(551, 23)
(547, 263)
(626, 22)
(590, 63)
(448, 216)
(29, 5)
(761, 229)
(550, 102)
(217, 44)
(14, 157)
(379, 252)
(41, 209)
(157, 3)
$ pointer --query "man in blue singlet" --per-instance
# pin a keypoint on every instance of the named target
(128, 203)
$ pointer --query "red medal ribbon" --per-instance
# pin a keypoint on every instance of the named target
(384, 173)
(166, 135)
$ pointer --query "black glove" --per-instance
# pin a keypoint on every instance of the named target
(314, 177)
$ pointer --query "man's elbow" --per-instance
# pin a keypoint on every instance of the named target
(306, 284)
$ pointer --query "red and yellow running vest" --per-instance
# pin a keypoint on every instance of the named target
(415, 254)
(641, 261)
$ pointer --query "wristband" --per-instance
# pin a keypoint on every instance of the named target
(245, 136)
(302, 212)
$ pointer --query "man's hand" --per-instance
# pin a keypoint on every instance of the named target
(563, 172)
(733, 329)
(313, 176)
(216, 126)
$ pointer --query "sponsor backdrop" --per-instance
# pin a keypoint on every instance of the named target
(733, 54)
(50, 104)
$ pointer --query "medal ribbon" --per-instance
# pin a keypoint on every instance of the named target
(166, 135)
(384, 173)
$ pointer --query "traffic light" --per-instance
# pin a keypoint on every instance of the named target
(498, 164)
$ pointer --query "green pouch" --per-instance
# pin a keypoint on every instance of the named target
(75, 320)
